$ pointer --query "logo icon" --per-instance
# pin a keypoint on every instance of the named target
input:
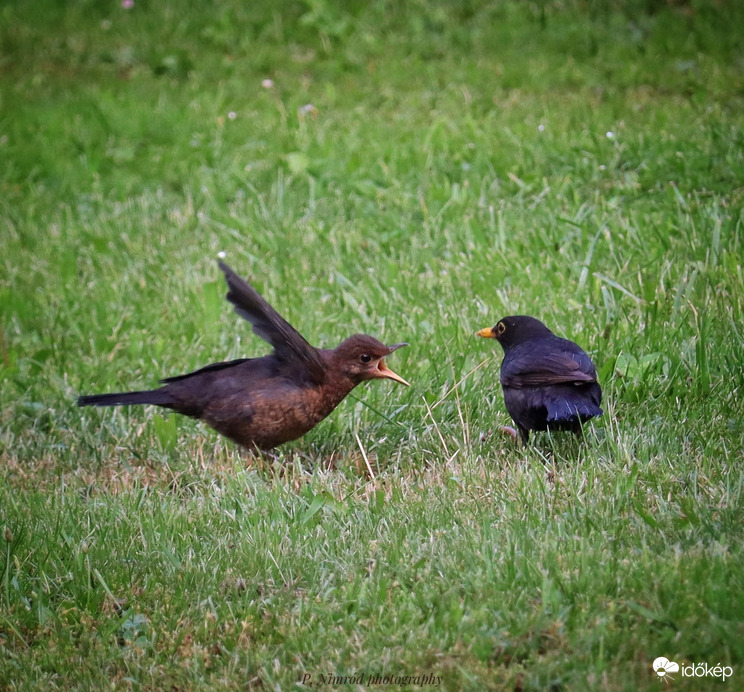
(663, 667)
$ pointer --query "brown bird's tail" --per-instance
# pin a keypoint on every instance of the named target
(157, 397)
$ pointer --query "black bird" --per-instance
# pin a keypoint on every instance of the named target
(263, 402)
(548, 382)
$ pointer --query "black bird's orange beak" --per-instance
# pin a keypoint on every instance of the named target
(486, 333)
(384, 371)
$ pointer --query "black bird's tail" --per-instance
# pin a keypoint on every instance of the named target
(157, 397)
(571, 405)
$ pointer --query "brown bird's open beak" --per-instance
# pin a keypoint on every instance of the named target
(384, 371)
(486, 333)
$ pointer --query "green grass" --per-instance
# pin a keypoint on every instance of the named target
(458, 169)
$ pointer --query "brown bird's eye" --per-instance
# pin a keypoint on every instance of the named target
(365, 358)
(500, 328)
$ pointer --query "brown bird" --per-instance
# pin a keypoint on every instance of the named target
(263, 402)
(549, 383)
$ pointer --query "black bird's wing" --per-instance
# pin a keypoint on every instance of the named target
(539, 366)
(290, 346)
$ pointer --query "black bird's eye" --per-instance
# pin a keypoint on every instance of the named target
(365, 358)
(500, 328)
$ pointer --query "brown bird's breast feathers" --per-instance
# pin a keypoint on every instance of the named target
(273, 411)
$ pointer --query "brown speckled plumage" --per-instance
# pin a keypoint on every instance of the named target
(264, 402)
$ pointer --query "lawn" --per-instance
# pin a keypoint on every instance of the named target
(415, 171)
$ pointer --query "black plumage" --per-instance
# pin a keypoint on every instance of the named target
(549, 383)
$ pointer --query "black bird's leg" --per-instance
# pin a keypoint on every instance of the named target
(578, 430)
(524, 434)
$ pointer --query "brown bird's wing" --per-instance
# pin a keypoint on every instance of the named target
(289, 345)
(214, 367)
(531, 369)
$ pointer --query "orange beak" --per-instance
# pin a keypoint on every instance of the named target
(486, 333)
(384, 371)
